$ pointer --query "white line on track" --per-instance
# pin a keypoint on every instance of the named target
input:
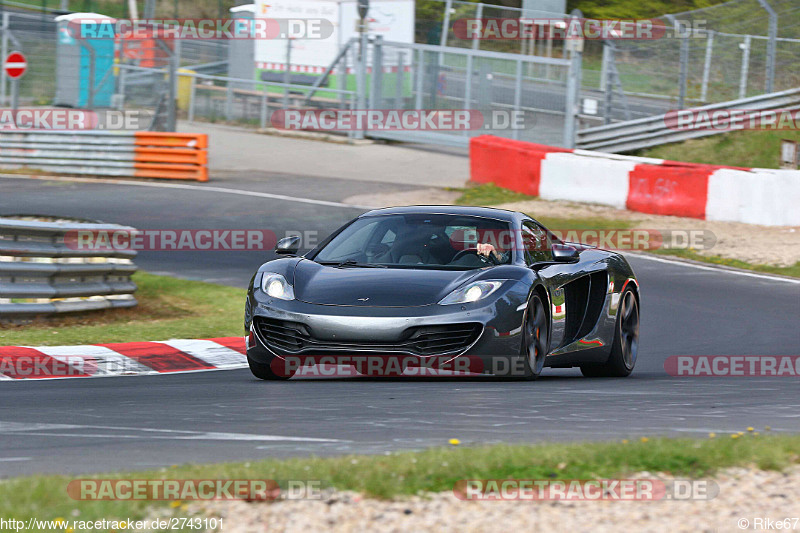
(187, 186)
(718, 269)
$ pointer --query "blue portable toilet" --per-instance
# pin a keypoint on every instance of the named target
(81, 36)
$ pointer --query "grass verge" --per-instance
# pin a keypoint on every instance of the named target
(432, 470)
(168, 308)
(757, 149)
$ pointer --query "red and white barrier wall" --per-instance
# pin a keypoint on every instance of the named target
(657, 186)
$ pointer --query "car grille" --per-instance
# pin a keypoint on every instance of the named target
(285, 337)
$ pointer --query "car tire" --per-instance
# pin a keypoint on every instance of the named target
(535, 338)
(264, 371)
(626, 341)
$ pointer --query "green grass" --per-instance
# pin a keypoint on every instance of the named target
(757, 149)
(432, 470)
(168, 308)
(488, 194)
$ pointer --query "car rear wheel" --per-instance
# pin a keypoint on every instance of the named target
(264, 371)
(535, 338)
(626, 341)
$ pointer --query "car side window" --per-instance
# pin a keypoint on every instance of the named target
(536, 243)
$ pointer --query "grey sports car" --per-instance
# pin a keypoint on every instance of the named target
(465, 289)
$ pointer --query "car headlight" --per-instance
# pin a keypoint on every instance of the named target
(472, 292)
(276, 286)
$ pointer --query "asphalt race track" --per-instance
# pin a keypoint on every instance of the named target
(131, 423)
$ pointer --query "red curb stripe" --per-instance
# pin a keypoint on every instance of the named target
(28, 363)
(160, 357)
(234, 343)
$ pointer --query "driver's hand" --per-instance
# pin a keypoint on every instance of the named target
(486, 249)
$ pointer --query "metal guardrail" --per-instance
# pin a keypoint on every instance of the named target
(653, 131)
(107, 153)
(41, 273)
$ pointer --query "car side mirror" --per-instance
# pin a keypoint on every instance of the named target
(288, 246)
(564, 253)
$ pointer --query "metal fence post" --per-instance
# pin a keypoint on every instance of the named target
(773, 36)
(573, 98)
(517, 96)
(445, 25)
(468, 84)
(192, 97)
(287, 75)
(264, 108)
(399, 80)
(707, 65)
(376, 88)
(745, 65)
(4, 53)
(361, 76)
(683, 80)
(420, 75)
(479, 16)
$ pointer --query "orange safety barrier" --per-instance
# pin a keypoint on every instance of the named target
(171, 155)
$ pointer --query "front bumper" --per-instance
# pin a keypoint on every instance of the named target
(348, 331)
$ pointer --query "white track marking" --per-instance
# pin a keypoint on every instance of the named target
(108, 361)
(201, 188)
(209, 351)
(115, 432)
(13, 459)
(714, 268)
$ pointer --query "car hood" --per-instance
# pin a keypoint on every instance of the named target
(374, 287)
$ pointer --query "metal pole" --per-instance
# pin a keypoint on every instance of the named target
(3, 79)
(287, 76)
(773, 37)
(684, 72)
(445, 23)
(90, 85)
(420, 76)
(608, 81)
(745, 65)
(399, 80)
(517, 95)
(468, 84)
(707, 65)
(264, 108)
(376, 90)
(479, 16)
(229, 101)
(361, 77)
(573, 92)
(15, 95)
(192, 96)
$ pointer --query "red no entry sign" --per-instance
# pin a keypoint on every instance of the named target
(15, 64)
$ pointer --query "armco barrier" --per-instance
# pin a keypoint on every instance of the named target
(754, 196)
(40, 274)
(112, 153)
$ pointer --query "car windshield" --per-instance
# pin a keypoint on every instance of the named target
(420, 241)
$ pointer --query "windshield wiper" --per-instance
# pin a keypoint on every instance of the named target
(350, 263)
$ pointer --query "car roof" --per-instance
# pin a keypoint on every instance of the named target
(466, 210)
